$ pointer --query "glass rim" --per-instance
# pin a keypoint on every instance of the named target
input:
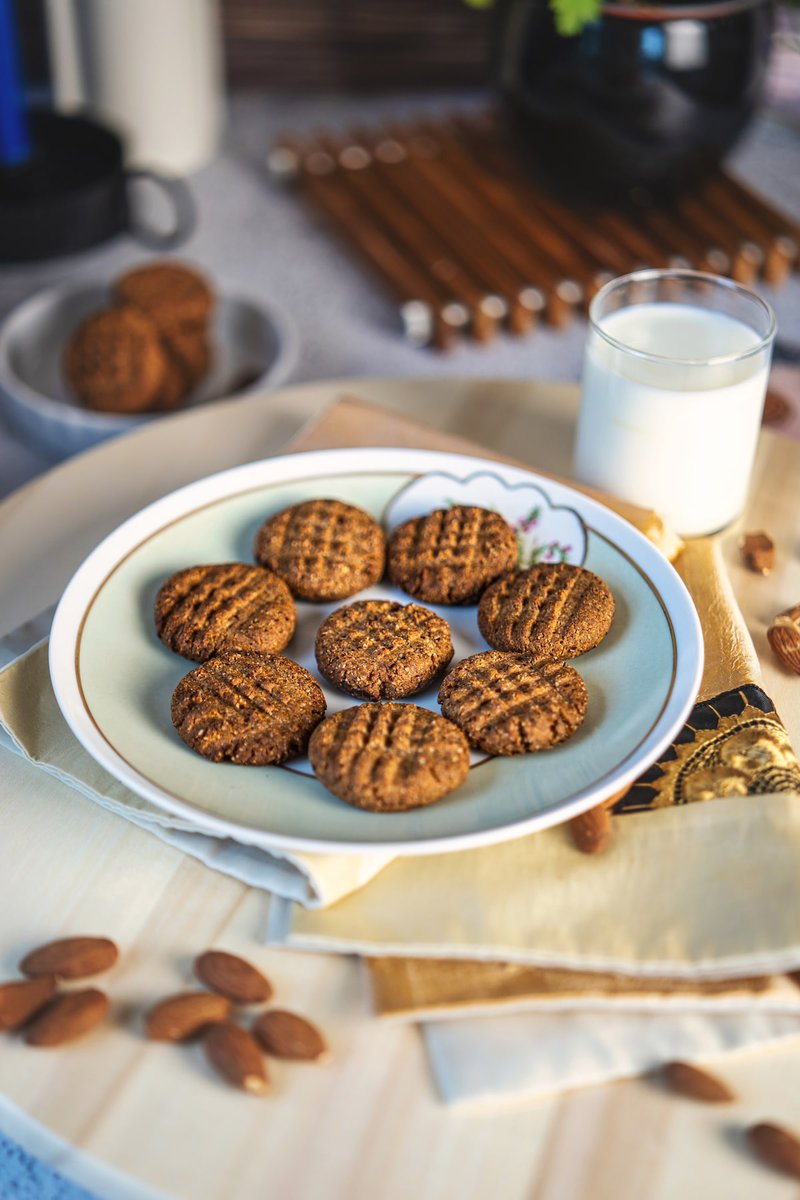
(686, 275)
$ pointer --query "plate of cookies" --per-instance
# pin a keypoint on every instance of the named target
(386, 650)
(81, 364)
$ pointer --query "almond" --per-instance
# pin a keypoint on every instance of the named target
(67, 1017)
(287, 1035)
(591, 829)
(20, 1001)
(232, 976)
(233, 1052)
(783, 636)
(777, 1147)
(690, 1081)
(758, 552)
(71, 958)
(180, 1017)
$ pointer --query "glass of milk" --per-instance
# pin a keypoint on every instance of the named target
(674, 379)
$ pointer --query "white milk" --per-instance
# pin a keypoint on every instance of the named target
(674, 436)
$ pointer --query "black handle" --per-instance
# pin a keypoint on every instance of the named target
(183, 211)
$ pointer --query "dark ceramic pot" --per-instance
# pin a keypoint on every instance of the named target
(647, 97)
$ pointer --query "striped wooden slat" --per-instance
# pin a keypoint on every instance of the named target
(463, 234)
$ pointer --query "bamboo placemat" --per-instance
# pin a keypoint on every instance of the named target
(469, 243)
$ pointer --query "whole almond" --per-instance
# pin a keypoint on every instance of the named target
(71, 958)
(180, 1017)
(783, 636)
(233, 1052)
(21, 1000)
(67, 1017)
(591, 829)
(232, 976)
(691, 1081)
(775, 1146)
(288, 1035)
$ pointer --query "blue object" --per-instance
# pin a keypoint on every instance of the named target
(23, 1177)
(15, 144)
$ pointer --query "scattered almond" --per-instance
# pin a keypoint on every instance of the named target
(591, 829)
(232, 976)
(67, 1017)
(758, 552)
(288, 1035)
(784, 638)
(20, 1001)
(691, 1081)
(180, 1017)
(71, 958)
(233, 1052)
(776, 408)
(776, 1147)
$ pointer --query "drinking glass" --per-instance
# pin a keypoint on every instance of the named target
(674, 380)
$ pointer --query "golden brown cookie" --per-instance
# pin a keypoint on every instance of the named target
(388, 757)
(168, 292)
(190, 348)
(247, 708)
(551, 610)
(382, 650)
(174, 387)
(513, 703)
(224, 606)
(115, 362)
(324, 549)
(452, 554)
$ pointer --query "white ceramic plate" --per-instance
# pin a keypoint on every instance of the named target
(114, 679)
(254, 346)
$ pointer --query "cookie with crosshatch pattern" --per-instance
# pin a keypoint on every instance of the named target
(388, 757)
(382, 650)
(512, 703)
(114, 362)
(323, 549)
(553, 610)
(224, 606)
(253, 709)
(452, 554)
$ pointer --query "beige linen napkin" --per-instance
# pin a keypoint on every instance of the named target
(643, 907)
(31, 725)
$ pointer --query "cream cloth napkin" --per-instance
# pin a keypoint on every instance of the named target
(31, 725)
(641, 908)
(505, 1060)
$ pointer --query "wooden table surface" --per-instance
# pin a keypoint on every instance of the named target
(367, 1126)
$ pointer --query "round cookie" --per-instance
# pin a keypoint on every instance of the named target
(115, 362)
(512, 703)
(253, 709)
(224, 606)
(190, 348)
(324, 549)
(174, 386)
(382, 650)
(450, 555)
(552, 610)
(168, 292)
(388, 757)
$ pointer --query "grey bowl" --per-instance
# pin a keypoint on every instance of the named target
(255, 346)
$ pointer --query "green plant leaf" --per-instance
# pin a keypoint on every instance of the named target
(572, 15)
